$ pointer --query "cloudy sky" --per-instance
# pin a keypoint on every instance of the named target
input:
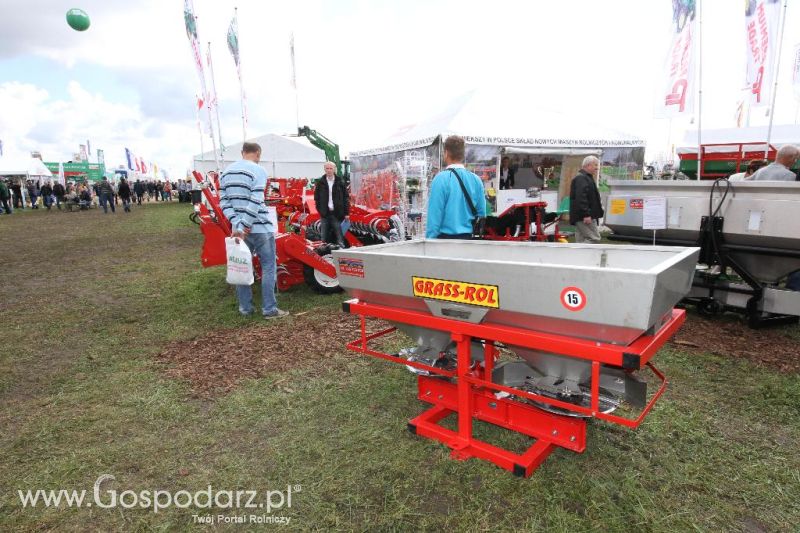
(364, 68)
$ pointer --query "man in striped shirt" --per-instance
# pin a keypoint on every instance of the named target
(242, 201)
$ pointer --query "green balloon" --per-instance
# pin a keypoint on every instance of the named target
(78, 19)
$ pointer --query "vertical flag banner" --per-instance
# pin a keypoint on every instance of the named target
(191, 32)
(190, 20)
(129, 157)
(761, 26)
(61, 178)
(676, 96)
(233, 47)
(1, 147)
(101, 157)
(88, 147)
(84, 157)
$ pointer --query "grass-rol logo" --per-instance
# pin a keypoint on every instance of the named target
(573, 298)
(351, 267)
(456, 291)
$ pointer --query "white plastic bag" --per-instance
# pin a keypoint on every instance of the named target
(240, 262)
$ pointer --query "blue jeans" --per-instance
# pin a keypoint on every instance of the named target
(106, 200)
(263, 245)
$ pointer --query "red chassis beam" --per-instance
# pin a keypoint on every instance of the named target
(473, 396)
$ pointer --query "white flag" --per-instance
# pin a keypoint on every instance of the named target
(761, 32)
(676, 97)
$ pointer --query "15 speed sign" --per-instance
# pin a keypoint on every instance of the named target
(573, 298)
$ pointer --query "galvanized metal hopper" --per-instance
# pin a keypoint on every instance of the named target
(607, 293)
(760, 219)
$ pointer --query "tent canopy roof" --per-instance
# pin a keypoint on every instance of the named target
(274, 147)
(30, 166)
(491, 116)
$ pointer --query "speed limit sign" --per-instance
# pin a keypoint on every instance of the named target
(573, 298)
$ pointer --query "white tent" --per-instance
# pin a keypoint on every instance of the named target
(281, 156)
(30, 167)
(494, 122)
(494, 117)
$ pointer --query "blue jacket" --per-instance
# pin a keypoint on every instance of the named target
(242, 187)
(448, 212)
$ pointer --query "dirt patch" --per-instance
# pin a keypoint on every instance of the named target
(772, 348)
(217, 362)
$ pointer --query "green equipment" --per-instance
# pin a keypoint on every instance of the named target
(330, 148)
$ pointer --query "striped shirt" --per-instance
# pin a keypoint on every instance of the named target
(242, 197)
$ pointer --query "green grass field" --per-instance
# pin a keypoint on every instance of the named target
(88, 301)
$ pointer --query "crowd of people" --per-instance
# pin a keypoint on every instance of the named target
(85, 195)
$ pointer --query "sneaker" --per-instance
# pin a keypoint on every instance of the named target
(278, 313)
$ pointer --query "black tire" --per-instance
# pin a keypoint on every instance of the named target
(321, 285)
(710, 307)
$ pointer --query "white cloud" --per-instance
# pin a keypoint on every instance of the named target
(365, 68)
(36, 121)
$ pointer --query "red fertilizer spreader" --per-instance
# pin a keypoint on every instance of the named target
(536, 338)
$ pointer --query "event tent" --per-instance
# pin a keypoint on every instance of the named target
(27, 167)
(281, 156)
(495, 122)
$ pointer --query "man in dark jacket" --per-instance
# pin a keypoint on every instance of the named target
(106, 193)
(585, 208)
(506, 174)
(333, 204)
(5, 196)
(17, 189)
(59, 192)
(138, 188)
(124, 192)
(33, 194)
(47, 195)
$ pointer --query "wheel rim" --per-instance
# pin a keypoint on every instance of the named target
(326, 281)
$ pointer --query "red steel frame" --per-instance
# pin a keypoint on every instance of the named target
(526, 234)
(738, 153)
(473, 395)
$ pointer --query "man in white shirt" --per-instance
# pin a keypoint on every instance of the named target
(333, 205)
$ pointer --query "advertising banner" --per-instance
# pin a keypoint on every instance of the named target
(761, 27)
(676, 96)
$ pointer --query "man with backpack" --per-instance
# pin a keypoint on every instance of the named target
(456, 197)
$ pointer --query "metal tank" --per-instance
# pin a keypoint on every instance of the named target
(748, 228)
(759, 217)
(607, 293)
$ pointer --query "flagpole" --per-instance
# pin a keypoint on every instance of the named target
(775, 75)
(700, 86)
(241, 84)
(210, 119)
(294, 83)
(215, 100)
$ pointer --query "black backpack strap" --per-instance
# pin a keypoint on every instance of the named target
(466, 195)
